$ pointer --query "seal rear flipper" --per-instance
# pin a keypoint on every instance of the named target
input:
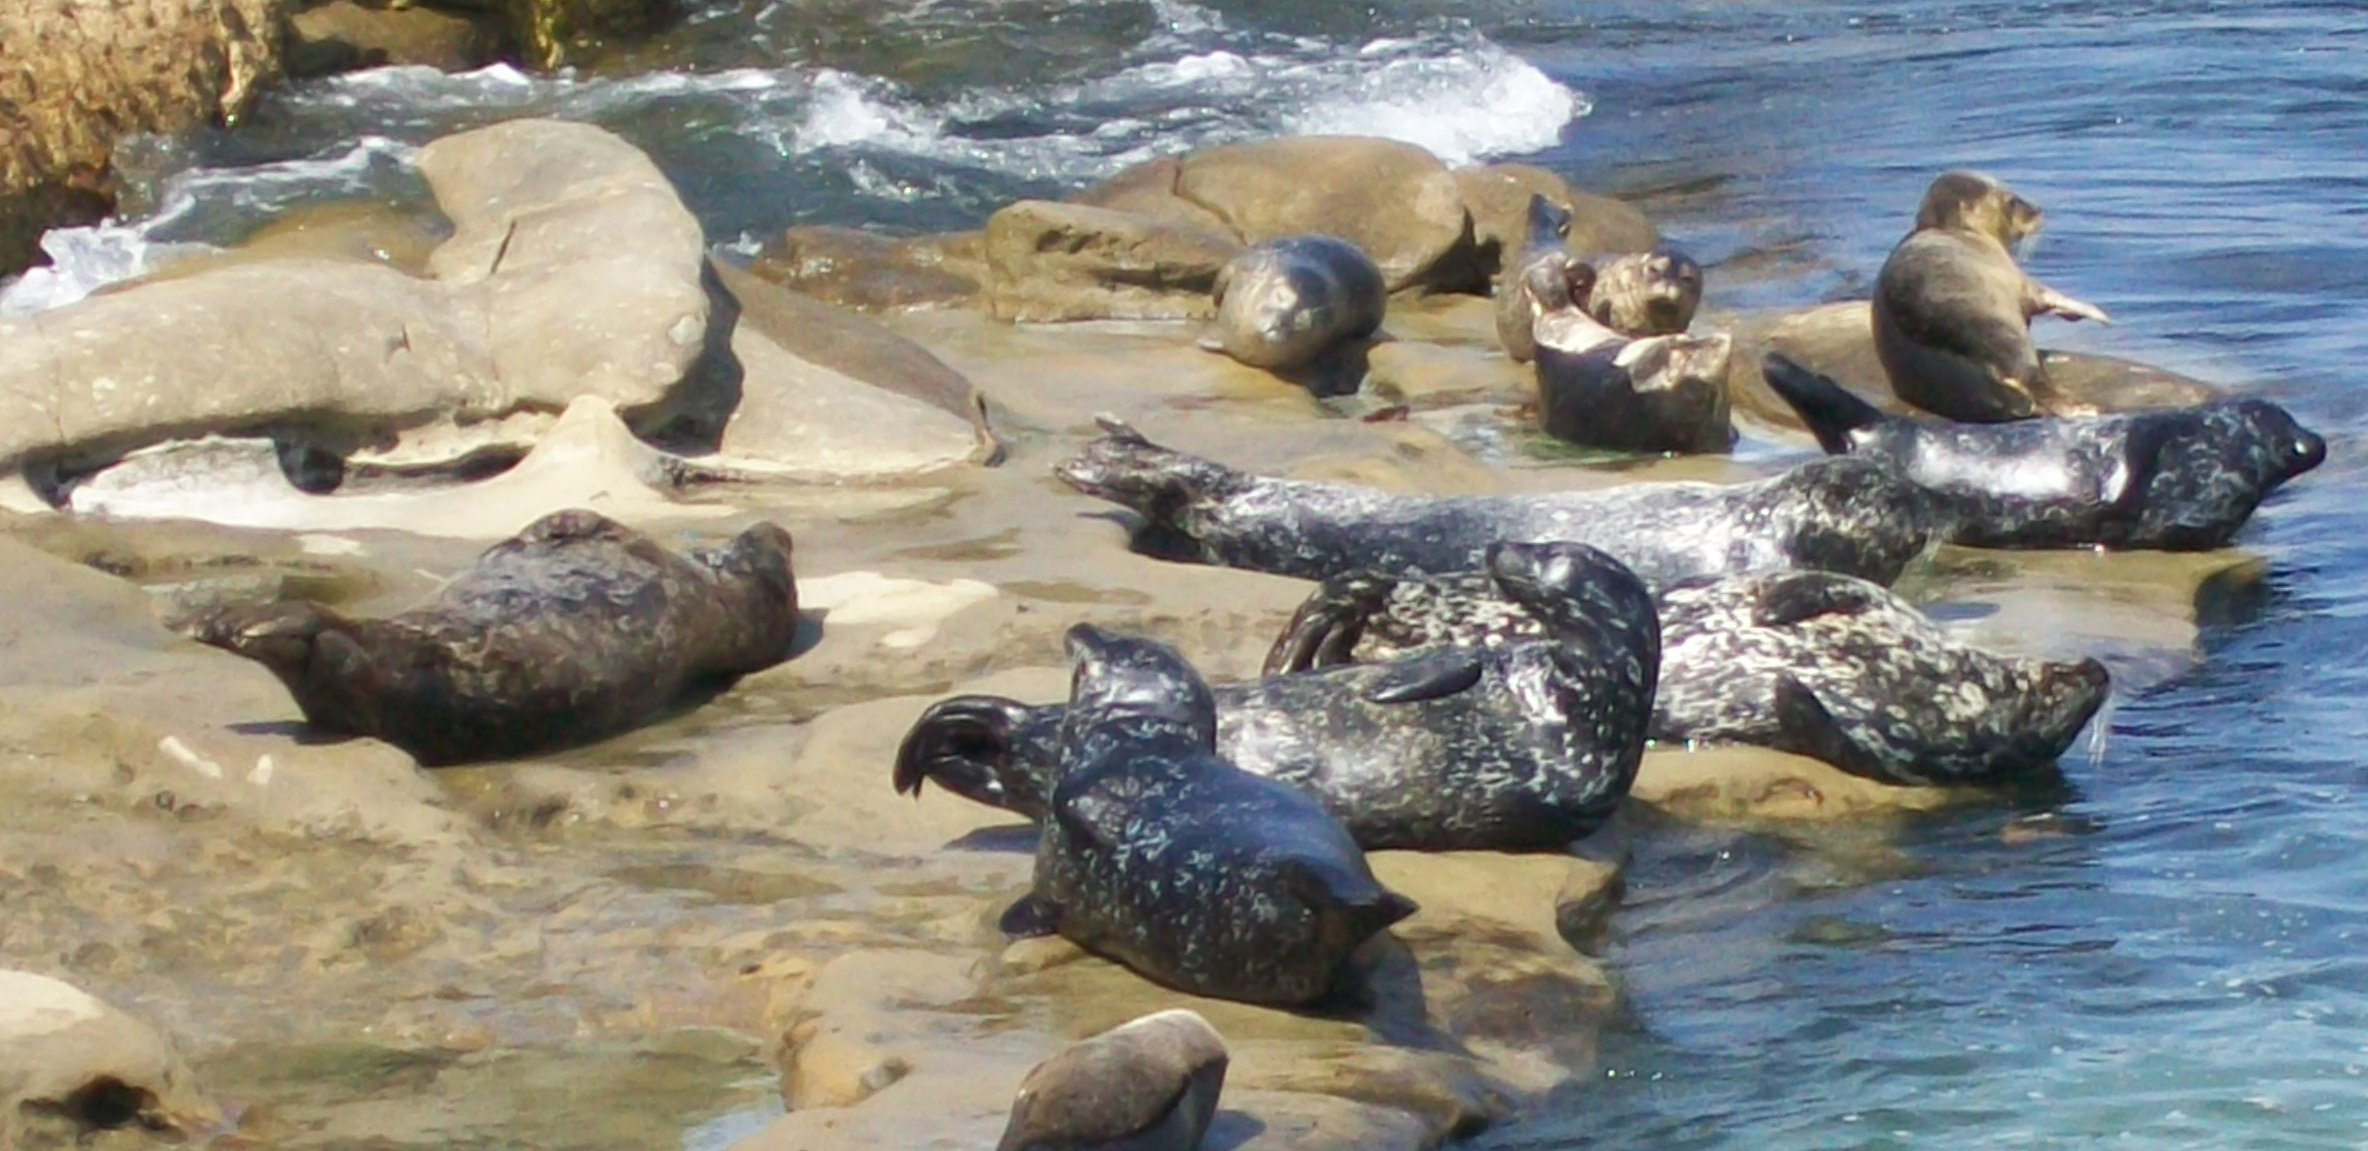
(1434, 674)
(1030, 917)
(1830, 410)
(1802, 596)
(974, 746)
(1325, 630)
(1807, 728)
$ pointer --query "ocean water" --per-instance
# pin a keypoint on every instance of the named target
(2168, 953)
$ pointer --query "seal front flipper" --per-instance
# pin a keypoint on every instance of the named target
(1031, 917)
(1796, 598)
(1807, 728)
(1829, 409)
(2122, 489)
(1433, 674)
(2046, 301)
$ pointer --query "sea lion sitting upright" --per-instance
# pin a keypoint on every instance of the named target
(1952, 310)
(1301, 307)
(2182, 479)
(1636, 294)
(1158, 853)
(575, 629)
(1603, 389)
(1150, 1084)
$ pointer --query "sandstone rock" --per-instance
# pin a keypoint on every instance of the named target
(857, 269)
(1498, 195)
(1049, 261)
(72, 1066)
(344, 35)
(557, 33)
(1148, 189)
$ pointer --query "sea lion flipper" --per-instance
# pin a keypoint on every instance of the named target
(1830, 410)
(1030, 917)
(1809, 729)
(1429, 675)
(1801, 596)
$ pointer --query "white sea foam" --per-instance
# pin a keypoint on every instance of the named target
(83, 260)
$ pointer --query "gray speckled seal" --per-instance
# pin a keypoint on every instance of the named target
(1809, 662)
(1604, 389)
(1299, 306)
(1852, 516)
(1500, 746)
(1150, 1084)
(1156, 852)
(575, 629)
(2179, 479)
(1952, 310)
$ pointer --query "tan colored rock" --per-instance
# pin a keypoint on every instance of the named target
(870, 272)
(1148, 189)
(72, 1066)
(1050, 261)
(1498, 197)
(1734, 784)
(344, 35)
(557, 33)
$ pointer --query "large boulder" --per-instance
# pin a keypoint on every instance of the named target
(557, 33)
(1498, 195)
(344, 35)
(858, 269)
(1048, 261)
(72, 1066)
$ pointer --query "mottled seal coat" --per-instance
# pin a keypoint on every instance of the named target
(1652, 293)
(2181, 478)
(1641, 294)
(1952, 310)
(1847, 515)
(577, 628)
(1299, 306)
(1156, 852)
(1150, 1084)
(1510, 747)
(1809, 662)
(1604, 389)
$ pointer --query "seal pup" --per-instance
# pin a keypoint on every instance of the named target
(1650, 293)
(1603, 389)
(575, 629)
(1159, 854)
(1952, 310)
(1510, 747)
(1150, 1084)
(1814, 663)
(2181, 479)
(1847, 515)
(1300, 307)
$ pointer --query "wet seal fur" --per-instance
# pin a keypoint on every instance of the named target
(1150, 1084)
(1808, 662)
(1603, 389)
(1157, 853)
(2178, 479)
(1852, 516)
(1509, 746)
(1952, 310)
(1301, 307)
(1637, 294)
(575, 629)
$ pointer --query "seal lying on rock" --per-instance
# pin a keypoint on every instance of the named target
(1518, 746)
(1851, 516)
(2181, 479)
(576, 629)
(1150, 1084)
(1158, 853)
(1636, 294)
(1603, 389)
(1809, 662)
(1952, 311)
(1299, 306)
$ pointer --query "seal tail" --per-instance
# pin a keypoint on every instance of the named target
(1325, 630)
(1831, 412)
(978, 747)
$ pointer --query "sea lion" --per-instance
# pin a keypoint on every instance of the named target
(1809, 662)
(1952, 310)
(1521, 746)
(576, 629)
(2180, 479)
(1861, 519)
(1300, 307)
(1637, 294)
(1157, 853)
(1603, 389)
(1150, 1084)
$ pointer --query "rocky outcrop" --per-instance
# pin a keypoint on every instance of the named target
(1498, 195)
(858, 269)
(72, 1066)
(344, 35)
(1048, 261)
(557, 33)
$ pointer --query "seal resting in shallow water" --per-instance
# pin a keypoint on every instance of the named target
(1952, 310)
(1809, 662)
(2179, 479)
(576, 629)
(1299, 306)
(1157, 853)
(1511, 747)
(1150, 1084)
(1852, 516)
(1601, 388)
(1635, 294)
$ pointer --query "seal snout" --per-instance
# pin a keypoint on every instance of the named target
(2307, 450)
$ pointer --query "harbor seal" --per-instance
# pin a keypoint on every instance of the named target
(1637, 294)
(1157, 853)
(1813, 663)
(1300, 307)
(2181, 479)
(575, 629)
(1847, 515)
(1600, 388)
(1510, 747)
(1650, 293)
(1952, 310)
(1150, 1084)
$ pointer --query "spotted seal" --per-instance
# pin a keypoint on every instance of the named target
(1809, 662)
(1150, 1084)
(1637, 294)
(1604, 389)
(2178, 479)
(1157, 853)
(1952, 310)
(1847, 515)
(1515, 747)
(1300, 306)
(575, 629)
